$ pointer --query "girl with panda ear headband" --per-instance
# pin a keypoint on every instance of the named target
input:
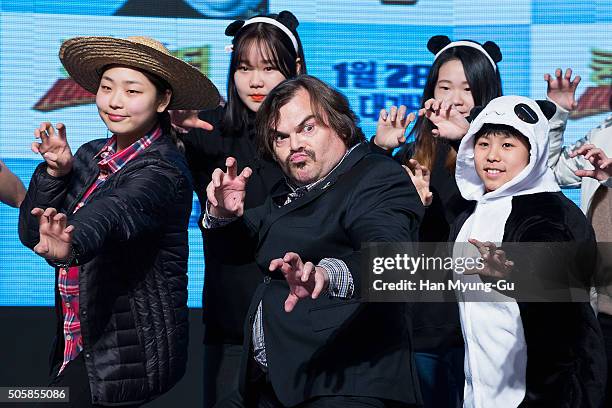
(464, 74)
(265, 50)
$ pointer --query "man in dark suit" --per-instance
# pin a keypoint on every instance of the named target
(311, 339)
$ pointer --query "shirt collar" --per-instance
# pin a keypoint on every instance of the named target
(111, 160)
(312, 185)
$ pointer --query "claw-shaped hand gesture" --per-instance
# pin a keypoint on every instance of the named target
(495, 263)
(598, 158)
(185, 120)
(420, 177)
(54, 148)
(304, 279)
(55, 235)
(391, 127)
(450, 123)
(227, 190)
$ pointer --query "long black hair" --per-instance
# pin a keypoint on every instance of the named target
(275, 46)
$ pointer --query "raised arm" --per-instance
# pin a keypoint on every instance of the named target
(12, 191)
(391, 127)
(602, 164)
(560, 89)
(388, 210)
(50, 180)
(567, 164)
(227, 190)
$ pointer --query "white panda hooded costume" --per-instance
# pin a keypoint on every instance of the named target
(500, 367)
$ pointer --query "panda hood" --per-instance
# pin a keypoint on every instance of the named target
(526, 116)
(495, 332)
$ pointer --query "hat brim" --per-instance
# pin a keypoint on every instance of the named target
(85, 57)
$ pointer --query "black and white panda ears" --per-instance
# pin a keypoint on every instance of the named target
(493, 50)
(233, 28)
(548, 108)
(288, 20)
(285, 17)
(437, 42)
(474, 112)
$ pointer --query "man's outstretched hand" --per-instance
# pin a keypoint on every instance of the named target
(304, 279)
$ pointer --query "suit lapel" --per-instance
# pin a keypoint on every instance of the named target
(276, 213)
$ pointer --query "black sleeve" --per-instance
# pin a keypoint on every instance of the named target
(374, 148)
(387, 210)
(548, 264)
(44, 191)
(136, 206)
(253, 218)
(200, 142)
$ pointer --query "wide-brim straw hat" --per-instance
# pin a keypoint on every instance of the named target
(85, 59)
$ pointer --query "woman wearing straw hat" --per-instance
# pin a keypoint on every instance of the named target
(113, 221)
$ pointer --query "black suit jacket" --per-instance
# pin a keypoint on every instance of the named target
(333, 346)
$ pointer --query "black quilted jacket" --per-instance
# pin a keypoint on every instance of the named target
(131, 241)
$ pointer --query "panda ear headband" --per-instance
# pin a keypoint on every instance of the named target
(440, 43)
(285, 21)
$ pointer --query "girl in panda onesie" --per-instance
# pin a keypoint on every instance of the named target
(518, 353)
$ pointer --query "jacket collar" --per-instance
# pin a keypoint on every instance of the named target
(281, 190)
(353, 155)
